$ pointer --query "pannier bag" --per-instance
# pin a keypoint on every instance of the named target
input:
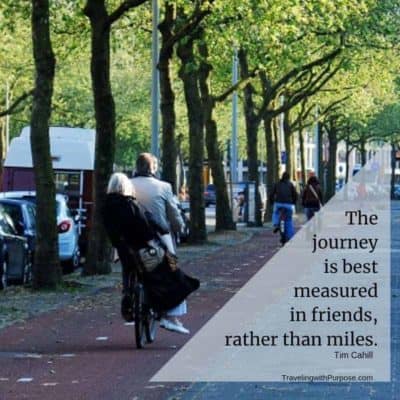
(151, 256)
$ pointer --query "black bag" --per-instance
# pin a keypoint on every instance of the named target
(167, 287)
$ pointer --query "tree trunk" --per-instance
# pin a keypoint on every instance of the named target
(99, 248)
(252, 124)
(271, 163)
(288, 142)
(320, 154)
(180, 179)
(347, 161)
(276, 150)
(189, 76)
(331, 173)
(363, 152)
(302, 158)
(293, 157)
(223, 212)
(46, 269)
(167, 103)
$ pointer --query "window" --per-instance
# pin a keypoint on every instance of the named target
(6, 224)
(32, 215)
(15, 212)
(341, 156)
(67, 182)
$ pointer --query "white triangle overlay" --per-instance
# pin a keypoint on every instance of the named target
(263, 304)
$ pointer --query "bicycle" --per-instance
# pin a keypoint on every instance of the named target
(145, 318)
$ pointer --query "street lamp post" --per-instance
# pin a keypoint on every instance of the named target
(155, 91)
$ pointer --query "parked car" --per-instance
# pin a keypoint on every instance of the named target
(23, 215)
(185, 211)
(15, 260)
(68, 236)
(209, 195)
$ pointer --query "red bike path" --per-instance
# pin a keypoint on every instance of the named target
(86, 352)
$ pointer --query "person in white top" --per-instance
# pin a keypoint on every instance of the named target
(156, 196)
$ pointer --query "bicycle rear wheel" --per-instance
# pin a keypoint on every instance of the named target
(139, 316)
(282, 229)
(150, 326)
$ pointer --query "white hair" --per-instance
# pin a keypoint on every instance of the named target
(120, 183)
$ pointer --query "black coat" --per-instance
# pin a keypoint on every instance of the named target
(166, 288)
(126, 222)
(129, 228)
(283, 192)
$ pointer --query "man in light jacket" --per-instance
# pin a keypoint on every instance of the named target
(156, 196)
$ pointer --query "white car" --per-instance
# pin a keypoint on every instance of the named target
(68, 235)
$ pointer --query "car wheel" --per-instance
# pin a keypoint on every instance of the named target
(70, 265)
(3, 276)
(27, 273)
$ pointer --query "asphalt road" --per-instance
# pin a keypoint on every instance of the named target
(86, 352)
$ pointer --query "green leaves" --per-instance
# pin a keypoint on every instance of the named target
(279, 35)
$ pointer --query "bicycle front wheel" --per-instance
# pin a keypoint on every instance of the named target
(150, 326)
(139, 320)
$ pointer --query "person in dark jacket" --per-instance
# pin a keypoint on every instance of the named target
(312, 197)
(129, 228)
(283, 195)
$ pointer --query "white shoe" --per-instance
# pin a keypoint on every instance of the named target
(172, 326)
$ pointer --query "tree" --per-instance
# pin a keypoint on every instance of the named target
(253, 120)
(188, 74)
(101, 22)
(385, 125)
(167, 96)
(171, 33)
(223, 213)
(46, 269)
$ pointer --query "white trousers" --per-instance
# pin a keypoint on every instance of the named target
(180, 309)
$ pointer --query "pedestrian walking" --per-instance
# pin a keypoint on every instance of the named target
(157, 197)
(312, 199)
